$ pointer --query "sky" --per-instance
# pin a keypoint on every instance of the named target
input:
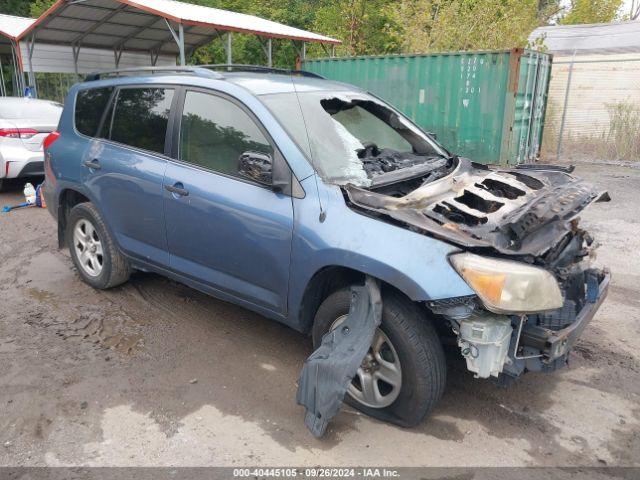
(626, 6)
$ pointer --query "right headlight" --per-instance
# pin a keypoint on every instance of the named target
(508, 287)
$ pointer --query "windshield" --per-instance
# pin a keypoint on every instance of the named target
(353, 137)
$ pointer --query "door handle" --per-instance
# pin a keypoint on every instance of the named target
(93, 164)
(177, 189)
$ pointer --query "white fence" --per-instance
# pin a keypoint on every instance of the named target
(593, 105)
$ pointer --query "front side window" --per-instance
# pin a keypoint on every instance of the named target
(90, 105)
(141, 117)
(215, 132)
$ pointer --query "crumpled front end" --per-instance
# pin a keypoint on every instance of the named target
(507, 345)
(522, 252)
(517, 211)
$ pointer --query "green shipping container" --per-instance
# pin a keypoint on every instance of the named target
(487, 106)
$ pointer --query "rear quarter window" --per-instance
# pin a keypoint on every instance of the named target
(90, 105)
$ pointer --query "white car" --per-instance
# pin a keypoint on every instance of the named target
(24, 124)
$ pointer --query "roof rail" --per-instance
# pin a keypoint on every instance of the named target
(194, 70)
(260, 68)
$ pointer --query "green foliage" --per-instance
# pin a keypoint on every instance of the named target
(14, 7)
(442, 25)
(362, 25)
(38, 7)
(592, 11)
(624, 125)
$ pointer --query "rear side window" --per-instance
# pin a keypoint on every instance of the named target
(141, 116)
(90, 105)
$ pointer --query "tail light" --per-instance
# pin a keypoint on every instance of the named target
(48, 167)
(51, 138)
(23, 133)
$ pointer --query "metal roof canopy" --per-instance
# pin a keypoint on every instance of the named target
(605, 38)
(160, 27)
(10, 29)
(11, 26)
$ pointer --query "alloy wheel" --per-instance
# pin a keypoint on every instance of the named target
(88, 247)
(378, 380)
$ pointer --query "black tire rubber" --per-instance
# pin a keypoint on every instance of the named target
(115, 267)
(419, 349)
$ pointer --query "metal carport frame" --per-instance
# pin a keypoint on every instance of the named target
(159, 27)
(10, 29)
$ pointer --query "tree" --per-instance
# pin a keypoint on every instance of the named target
(591, 11)
(14, 7)
(361, 24)
(38, 7)
(441, 25)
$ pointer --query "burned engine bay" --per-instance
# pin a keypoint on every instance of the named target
(522, 211)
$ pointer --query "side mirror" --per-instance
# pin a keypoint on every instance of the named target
(433, 135)
(257, 166)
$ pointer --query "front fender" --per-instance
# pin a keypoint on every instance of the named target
(414, 263)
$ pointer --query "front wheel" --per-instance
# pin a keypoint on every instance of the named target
(403, 375)
(94, 253)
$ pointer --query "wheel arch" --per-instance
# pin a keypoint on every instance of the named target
(68, 198)
(331, 278)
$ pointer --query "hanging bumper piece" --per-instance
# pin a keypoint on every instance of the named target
(329, 370)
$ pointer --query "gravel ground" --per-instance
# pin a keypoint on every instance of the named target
(155, 374)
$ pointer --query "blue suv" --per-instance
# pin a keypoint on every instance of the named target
(280, 190)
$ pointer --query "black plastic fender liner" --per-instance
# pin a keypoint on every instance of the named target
(328, 371)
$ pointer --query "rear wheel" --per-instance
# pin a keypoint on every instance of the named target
(94, 253)
(403, 375)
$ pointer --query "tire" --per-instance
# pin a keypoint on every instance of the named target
(419, 352)
(104, 267)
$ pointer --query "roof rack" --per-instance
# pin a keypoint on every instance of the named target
(197, 70)
(260, 68)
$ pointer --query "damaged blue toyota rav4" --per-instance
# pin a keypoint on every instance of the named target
(279, 191)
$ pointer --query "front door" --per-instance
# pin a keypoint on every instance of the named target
(222, 229)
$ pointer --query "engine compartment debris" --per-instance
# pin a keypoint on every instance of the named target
(510, 210)
(329, 370)
(484, 343)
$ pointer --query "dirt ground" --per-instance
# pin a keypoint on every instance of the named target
(156, 374)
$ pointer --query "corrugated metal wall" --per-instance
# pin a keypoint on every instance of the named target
(529, 110)
(597, 83)
(478, 103)
(59, 59)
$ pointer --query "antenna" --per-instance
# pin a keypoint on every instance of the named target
(323, 214)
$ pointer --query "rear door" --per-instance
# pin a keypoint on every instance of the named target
(124, 169)
(222, 229)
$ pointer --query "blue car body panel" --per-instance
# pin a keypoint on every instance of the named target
(233, 239)
(230, 234)
(128, 187)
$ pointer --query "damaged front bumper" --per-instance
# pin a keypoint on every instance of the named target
(506, 346)
(554, 344)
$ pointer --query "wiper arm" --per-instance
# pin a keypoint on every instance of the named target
(408, 172)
